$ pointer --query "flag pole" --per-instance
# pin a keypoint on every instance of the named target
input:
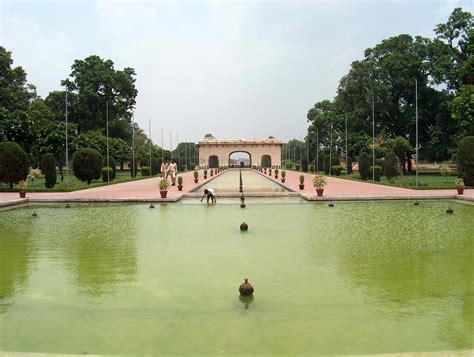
(373, 140)
(107, 125)
(416, 121)
(67, 148)
(347, 153)
(149, 139)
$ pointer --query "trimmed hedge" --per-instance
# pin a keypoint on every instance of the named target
(466, 160)
(112, 165)
(145, 170)
(377, 172)
(48, 169)
(87, 165)
(107, 173)
(364, 165)
(390, 165)
(13, 163)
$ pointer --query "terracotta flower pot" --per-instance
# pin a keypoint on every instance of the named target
(320, 191)
(283, 180)
(163, 194)
(22, 194)
(196, 180)
(180, 187)
(460, 190)
(276, 176)
(205, 177)
(301, 187)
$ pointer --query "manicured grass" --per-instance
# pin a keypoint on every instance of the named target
(74, 184)
(425, 181)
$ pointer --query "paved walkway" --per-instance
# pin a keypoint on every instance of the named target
(147, 190)
(338, 188)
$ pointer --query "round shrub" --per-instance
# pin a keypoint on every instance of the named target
(145, 170)
(87, 165)
(297, 167)
(311, 168)
(304, 164)
(377, 170)
(48, 168)
(336, 170)
(107, 173)
(335, 161)
(466, 160)
(364, 165)
(13, 163)
(113, 167)
(390, 165)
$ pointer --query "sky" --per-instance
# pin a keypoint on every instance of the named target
(247, 69)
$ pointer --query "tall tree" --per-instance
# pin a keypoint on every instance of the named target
(96, 82)
(15, 92)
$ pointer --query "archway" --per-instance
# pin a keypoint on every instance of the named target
(213, 162)
(240, 159)
(266, 161)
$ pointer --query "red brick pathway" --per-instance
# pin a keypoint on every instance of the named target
(134, 190)
(341, 188)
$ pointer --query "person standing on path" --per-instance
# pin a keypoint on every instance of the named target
(164, 169)
(173, 171)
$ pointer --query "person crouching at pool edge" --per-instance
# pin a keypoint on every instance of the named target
(173, 171)
(209, 193)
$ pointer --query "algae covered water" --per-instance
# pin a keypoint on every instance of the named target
(357, 278)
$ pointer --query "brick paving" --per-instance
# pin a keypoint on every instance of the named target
(338, 188)
(146, 189)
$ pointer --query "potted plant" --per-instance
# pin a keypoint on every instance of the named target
(212, 172)
(276, 174)
(196, 175)
(269, 172)
(205, 174)
(301, 182)
(460, 186)
(22, 188)
(283, 175)
(319, 181)
(163, 187)
(265, 170)
(180, 183)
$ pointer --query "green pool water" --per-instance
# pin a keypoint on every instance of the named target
(359, 278)
(229, 181)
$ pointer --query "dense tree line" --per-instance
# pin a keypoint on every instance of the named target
(95, 91)
(383, 83)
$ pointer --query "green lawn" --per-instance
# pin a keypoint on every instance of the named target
(426, 181)
(74, 183)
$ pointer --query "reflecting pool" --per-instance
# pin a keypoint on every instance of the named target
(357, 278)
(228, 182)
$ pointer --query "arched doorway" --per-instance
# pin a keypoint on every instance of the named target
(240, 159)
(266, 161)
(213, 162)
